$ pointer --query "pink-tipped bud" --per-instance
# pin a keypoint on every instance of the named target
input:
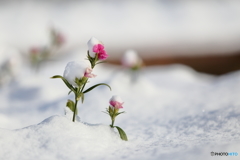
(96, 47)
(77, 70)
(60, 39)
(131, 59)
(34, 50)
(88, 73)
(116, 102)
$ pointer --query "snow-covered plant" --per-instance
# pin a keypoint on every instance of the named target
(133, 63)
(132, 60)
(113, 111)
(57, 38)
(76, 75)
(96, 51)
(39, 54)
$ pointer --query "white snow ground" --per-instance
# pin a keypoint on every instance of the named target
(173, 112)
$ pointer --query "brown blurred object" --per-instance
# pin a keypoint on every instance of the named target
(211, 64)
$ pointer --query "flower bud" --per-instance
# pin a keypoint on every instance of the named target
(116, 102)
(57, 37)
(34, 50)
(88, 73)
(96, 48)
(77, 70)
(131, 59)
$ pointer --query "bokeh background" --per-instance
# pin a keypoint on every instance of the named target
(202, 34)
(183, 102)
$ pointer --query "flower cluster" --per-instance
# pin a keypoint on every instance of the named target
(76, 75)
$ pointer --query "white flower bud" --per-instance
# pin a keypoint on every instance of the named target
(131, 59)
(75, 70)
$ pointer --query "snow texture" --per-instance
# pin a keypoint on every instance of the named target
(173, 112)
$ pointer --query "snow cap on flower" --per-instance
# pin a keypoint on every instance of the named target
(96, 47)
(116, 102)
(131, 59)
(78, 70)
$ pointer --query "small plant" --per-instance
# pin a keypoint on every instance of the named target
(39, 54)
(113, 111)
(132, 60)
(133, 63)
(76, 74)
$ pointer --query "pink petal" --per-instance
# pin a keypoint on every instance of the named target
(116, 104)
(102, 55)
(88, 73)
(98, 48)
(95, 48)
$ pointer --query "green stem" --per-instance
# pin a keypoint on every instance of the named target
(81, 91)
(75, 104)
(76, 101)
(112, 123)
(75, 109)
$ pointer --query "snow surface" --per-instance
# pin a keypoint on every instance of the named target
(172, 112)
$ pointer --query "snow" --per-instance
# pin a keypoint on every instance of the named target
(75, 70)
(172, 112)
(58, 133)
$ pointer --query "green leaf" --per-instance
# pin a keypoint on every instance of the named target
(89, 89)
(69, 92)
(120, 113)
(65, 81)
(100, 62)
(70, 105)
(105, 112)
(122, 133)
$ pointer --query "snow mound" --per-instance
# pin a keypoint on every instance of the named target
(58, 138)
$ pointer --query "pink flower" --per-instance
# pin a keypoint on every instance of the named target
(88, 73)
(96, 47)
(116, 102)
(60, 39)
(34, 50)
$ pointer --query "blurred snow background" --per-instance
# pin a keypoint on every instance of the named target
(166, 24)
(172, 111)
